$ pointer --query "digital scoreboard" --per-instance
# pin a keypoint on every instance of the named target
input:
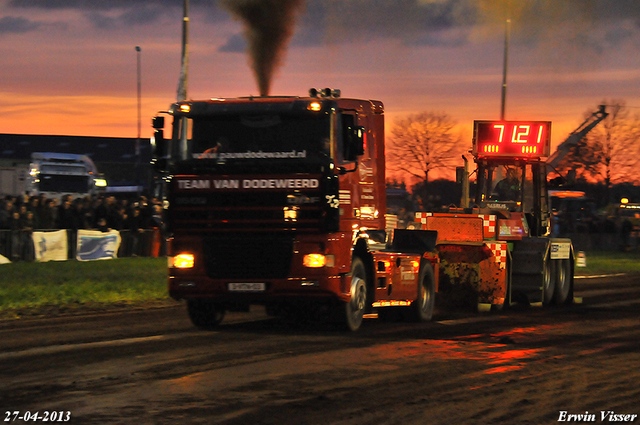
(528, 139)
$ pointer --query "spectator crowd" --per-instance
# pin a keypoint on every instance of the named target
(30, 213)
(20, 216)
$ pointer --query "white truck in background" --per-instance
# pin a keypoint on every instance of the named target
(54, 175)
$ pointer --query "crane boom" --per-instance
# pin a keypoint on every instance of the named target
(577, 135)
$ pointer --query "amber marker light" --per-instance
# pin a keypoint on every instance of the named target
(384, 266)
(290, 213)
(183, 261)
(416, 265)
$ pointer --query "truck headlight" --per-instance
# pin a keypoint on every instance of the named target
(184, 260)
(318, 260)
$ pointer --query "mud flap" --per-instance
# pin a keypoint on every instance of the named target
(473, 276)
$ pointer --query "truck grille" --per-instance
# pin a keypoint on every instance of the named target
(242, 212)
(255, 256)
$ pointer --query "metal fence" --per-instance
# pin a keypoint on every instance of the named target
(17, 245)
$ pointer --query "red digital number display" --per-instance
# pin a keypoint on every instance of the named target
(529, 139)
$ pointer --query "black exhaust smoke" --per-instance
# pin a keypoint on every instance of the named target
(269, 25)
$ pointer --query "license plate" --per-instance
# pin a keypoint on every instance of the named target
(247, 287)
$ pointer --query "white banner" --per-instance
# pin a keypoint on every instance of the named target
(50, 246)
(96, 245)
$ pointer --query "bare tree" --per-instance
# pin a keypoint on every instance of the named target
(423, 142)
(584, 162)
(609, 153)
(616, 140)
(612, 140)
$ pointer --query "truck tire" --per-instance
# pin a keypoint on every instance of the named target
(424, 305)
(354, 309)
(205, 314)
(563, 282)
(548, 281)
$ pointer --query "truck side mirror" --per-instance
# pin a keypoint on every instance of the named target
(358, 140)
(158, 123)
(159, 144)
(354, 143)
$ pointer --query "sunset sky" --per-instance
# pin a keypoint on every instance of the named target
(68, 67)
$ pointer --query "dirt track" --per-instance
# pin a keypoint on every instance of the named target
(515, 367)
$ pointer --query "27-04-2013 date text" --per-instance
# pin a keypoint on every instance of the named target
(46, 416)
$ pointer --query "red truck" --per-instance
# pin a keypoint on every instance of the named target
(280, 201)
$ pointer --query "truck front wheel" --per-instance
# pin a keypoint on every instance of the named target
(205, 314)
(354, 308)
(423, 306)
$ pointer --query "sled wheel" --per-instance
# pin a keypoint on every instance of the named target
(563, 282)
(548, 281)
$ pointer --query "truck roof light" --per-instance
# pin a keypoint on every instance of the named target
(314, 106)
(326, 92)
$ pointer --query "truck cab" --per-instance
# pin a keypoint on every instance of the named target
(56, 174)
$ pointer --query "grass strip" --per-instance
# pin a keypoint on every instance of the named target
(44, 289)
(609, 262)
(28, 289)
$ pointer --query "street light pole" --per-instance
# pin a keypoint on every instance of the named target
(184, 61)
(139, 50)
(182, 83)
(507, 33)
(139, 73)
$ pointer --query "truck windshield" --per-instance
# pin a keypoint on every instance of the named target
(259, 137)
(63, 183)
(502, 187)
